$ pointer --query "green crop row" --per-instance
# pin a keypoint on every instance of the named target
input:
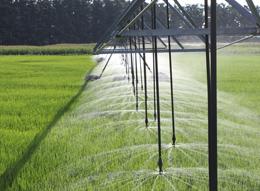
(59, 49)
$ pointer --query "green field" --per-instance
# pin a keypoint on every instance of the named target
(34, 92)
(56, 49)
(101, 143)
(238, 72)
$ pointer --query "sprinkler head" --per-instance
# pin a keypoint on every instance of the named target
(160, 165)
(92, 78)
(173, 141)
(155, 116)
(146, 122)
(100, 59)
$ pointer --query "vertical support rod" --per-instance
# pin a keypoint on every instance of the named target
(160, 162)
(132, 67)
(213, 164)
(154, 83)
(140, 64)
(171, 75)
(136, 73)
(145, 75)
(207, 46)
(208, 69)
(127, 65)
(125, 62)
(140, 59)
(103, 70)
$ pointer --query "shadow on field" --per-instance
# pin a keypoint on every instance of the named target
(10, 174)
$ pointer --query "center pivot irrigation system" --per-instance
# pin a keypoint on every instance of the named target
(139, 30)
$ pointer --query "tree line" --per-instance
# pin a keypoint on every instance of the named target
(40, 22)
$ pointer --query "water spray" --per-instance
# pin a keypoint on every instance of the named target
(124, 28)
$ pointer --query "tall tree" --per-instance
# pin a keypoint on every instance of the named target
(41, 22)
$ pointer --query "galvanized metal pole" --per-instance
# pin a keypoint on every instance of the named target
(127, 64)
(136, 76)
(154, 83)
(132, 67)
(254, 11)
(140, 64)
(208, 69)
(213, 164)
(171, 75)
(140, 59)
(103, 70)
(145, 76)
(160, 162)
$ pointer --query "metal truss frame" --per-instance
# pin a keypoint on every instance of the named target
(130, 35)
